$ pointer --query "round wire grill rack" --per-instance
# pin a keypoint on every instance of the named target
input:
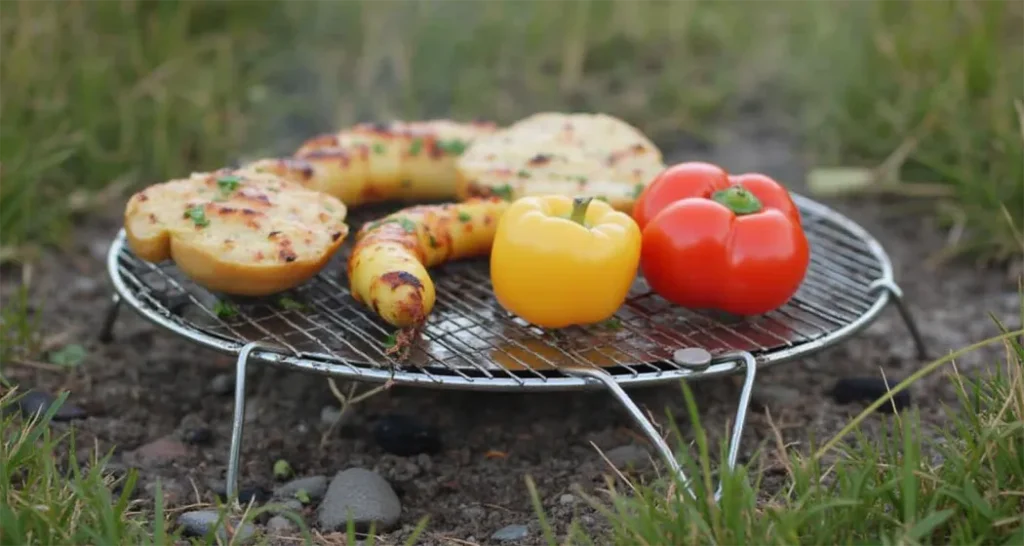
(470, 342)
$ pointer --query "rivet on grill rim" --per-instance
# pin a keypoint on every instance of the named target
(694, 358)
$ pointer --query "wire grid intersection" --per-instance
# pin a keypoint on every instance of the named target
(469, 338)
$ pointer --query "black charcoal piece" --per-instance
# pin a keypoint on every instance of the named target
(868, 389)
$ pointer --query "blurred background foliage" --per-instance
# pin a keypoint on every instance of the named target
(99, 97)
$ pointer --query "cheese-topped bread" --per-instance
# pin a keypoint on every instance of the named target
(373, 162)
(577, 154)
(241, 232)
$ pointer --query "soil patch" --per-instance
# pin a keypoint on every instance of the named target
(150, 386)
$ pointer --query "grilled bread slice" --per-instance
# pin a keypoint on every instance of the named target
(387, 269)
(373, 162)
(573, 154)
(238, 232)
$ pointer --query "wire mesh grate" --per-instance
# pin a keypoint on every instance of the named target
(470, 337)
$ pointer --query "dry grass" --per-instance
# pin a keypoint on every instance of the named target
(101, 97)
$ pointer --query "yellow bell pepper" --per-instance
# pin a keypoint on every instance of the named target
(558, 261)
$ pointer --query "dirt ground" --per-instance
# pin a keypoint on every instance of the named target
(150, 384)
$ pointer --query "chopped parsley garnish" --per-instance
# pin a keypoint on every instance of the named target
(581, 179)
(391, 340)
(637, 190)
(504, 191)
(601, 198)
(433, 241)
(523, 173)
(198, 216)
(329, 208)
(228, 184)
(613, 323)
(406, 183)
(464, 217)
(408, 225)
(224, 309)
(288, 303)
(452, 147)
(416, 146)
(378, 148)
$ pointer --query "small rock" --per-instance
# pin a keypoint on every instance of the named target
(364, 495)
(314, 486)
(172, 491)
(281, 525)
(330, 414)
(511, 532)
(404, 436)
(197, 436)
(424, 461)
(160, 452)
(775, 396)
(256, 493)
(222, 383)
(869, 389)
(33, 402)
(629, 456)
(473, 513)
(99, 248)
(252, 410)
(290, 505)
(200, 522)
(85, 286)
(567, 499)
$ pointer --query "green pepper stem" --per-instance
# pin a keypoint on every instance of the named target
(579, 209)
(738, 199)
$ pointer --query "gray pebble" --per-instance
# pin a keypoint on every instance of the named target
(567, 499)
(252, 410)
(171, 490)
(329, 414)
(364, 495)
(775, 396)
(629, 456)
(281, 525)
(85, 286)
(33, 402)
(222, 383)
(200, 522)
(315, 487)
(290, 505)
(511, 532)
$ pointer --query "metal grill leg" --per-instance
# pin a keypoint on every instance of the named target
(238, 420)
(106, 334)
(744, 359)
(901, 305)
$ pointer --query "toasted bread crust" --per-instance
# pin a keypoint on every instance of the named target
(376, 162)
(237, 232)
(593, 155)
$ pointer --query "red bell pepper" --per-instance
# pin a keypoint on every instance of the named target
(711, 240)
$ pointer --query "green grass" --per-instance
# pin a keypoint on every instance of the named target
(854, 489)
(47, 498)
(41, 502)
(113, 95)
(99, 98)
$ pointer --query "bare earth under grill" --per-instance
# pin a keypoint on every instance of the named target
(150, 383)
